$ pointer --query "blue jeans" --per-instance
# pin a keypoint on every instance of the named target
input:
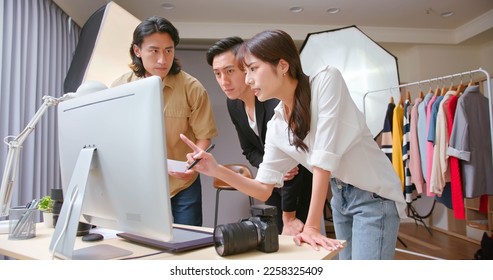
(186, 205)
(368, 223)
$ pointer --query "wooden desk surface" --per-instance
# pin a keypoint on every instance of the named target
(37, 249)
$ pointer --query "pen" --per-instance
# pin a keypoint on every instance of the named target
(20, 226)
(197, 160)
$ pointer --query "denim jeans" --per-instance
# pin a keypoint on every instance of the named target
(368, 223)
(186, 205)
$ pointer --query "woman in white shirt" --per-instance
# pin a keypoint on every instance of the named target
(318, 125)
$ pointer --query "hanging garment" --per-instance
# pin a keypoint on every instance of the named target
(423, 131)
(429, 146)
(397, 142)
(470, 142)
(390, 113)
(414, 155)
(440, 173)
(455, 180)
(410, 192)
(384, 139)
(433, 119)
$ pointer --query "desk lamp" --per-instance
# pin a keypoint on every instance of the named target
(15, 147)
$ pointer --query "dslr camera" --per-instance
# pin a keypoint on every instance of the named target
(257, 232)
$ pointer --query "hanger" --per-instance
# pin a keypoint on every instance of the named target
(452, 85)
(401, 100)
(391, 100)
(408, 96)
(470, 82)
(437, 90)
(421, 94)
(460, 87)
(430, 90)
(444, 89)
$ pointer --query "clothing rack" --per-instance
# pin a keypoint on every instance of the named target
(413, 213)
(452, 76)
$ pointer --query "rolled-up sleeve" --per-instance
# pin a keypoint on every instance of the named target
(270, 176)
(458, 143)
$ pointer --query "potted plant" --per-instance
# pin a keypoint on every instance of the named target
(46, 206)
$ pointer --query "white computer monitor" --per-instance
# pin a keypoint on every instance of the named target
(113, 142)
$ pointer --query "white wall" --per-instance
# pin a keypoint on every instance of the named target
(423, 62)
(486, 56)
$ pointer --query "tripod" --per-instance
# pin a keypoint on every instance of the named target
(413, 214)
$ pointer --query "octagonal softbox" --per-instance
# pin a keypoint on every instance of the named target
(364, 64)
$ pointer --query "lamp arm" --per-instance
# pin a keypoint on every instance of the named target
(15, 147)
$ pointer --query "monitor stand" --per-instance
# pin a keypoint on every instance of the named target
(63, 240)
(100, 252)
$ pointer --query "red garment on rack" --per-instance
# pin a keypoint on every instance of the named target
(455, 177)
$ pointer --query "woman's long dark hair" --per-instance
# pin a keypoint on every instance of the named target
(271, 46)
(148, 27)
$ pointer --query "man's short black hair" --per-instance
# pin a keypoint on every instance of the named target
(223, 45)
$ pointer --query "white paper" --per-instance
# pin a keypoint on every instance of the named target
(177, 166)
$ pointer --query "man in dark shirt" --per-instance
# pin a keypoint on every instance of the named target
(250, 117)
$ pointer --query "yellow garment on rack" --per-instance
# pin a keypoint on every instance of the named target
(397, 134)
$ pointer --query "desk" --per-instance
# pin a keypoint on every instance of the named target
(37, 249)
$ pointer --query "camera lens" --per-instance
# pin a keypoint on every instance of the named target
(235, 238)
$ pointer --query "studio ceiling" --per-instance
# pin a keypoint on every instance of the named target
(390, 21)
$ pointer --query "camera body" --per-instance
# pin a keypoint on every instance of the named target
(264, 218)
(257, 232)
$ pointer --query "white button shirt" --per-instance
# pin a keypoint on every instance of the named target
(339, 141)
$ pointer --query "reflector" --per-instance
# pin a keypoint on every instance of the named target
(364, 64)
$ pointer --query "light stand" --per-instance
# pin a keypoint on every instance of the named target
(12, 162)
